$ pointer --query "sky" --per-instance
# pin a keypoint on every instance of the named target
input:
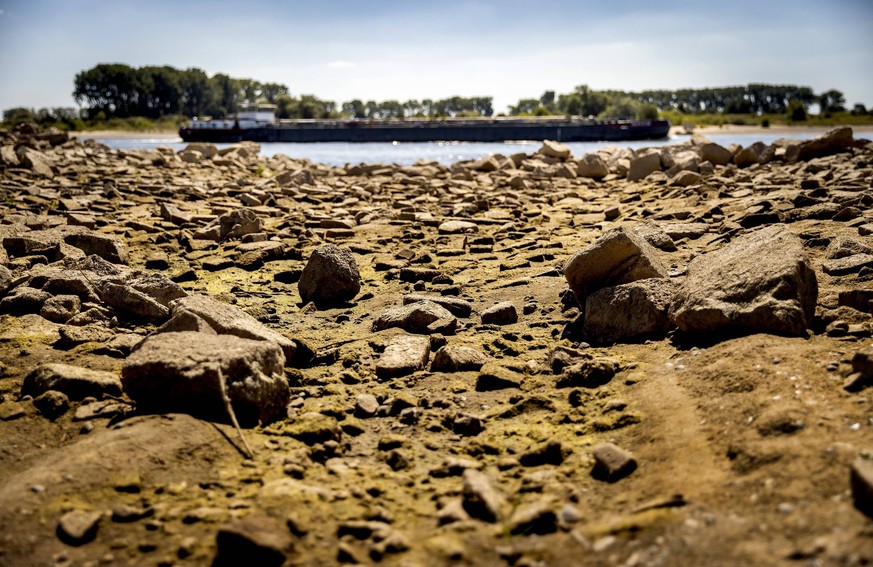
(402, 49)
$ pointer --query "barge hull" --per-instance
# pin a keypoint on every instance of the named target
(428, 132)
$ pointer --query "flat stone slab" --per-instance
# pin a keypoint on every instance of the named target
(404, 355)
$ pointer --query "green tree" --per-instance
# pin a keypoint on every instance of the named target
(198, 97)
(621, 108)
(832, 101)
(796, 111)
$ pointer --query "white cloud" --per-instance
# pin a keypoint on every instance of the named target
(342, 65)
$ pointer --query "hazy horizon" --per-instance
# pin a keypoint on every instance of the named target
(399, 50)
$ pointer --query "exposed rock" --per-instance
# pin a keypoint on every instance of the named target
(482, 500)
(529, 519)
(629, 310)
(652, 233)
(847, 264)
(330, 277)
(715, 154)
(503, 313)
(457, 227)
(455, 358)
(5, 279)
(313, 427)
(78, 527)
(423, 317)
(74, 381)
(619, 256)
(612, 463)
(229, 320)
(230, 225)
(686, 178)
(551, 148)
(862, 485)
(642, 166)
(591, 166)
(588, 373)
(493, 376)
(404, 355)
(253, 540)
(458, 307)
(179, 372)
(60, 308)
(750, 155)
(832, 141)
(52, 404)
(133, 302)
(761, 282)
(110, 248)
(843, 247)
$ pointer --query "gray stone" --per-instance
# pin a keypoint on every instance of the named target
(404, 355)
(253, 540)
(591, 166)
(420, 318)
(629, 310)
(612, 463)
(330, 277)
(229, 320)
(642, 166)
(156, 286)
(861, 480)
(455, 358)
(110, 248)
(74, 381)
(503, 313)
(36, 161)
(78, 527)
(619, 256)
(760, 282)
(458, 307)
(482, 500)
(457, 227)
(179, 372)
(186, 321)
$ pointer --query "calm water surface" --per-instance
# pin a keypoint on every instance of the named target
(407, 153)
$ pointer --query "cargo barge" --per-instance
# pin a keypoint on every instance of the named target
(258, 124)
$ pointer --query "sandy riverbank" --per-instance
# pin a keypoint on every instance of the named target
(776, 129)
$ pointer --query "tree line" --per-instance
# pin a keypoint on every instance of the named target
(114, 90)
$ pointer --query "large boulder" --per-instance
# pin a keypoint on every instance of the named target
(180, 373)
(330, 277)
(619, 256)
(761, 282)
(228, 320)
(628, 311)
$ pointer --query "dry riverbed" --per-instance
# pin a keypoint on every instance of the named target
(651, 357)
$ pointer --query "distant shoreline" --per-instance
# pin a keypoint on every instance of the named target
(125, 134)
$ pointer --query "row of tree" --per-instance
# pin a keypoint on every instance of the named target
(749, 99)
(120, 91)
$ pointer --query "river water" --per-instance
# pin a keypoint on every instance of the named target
(407, 153)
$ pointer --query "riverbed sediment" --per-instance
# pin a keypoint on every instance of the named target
(632, 357)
